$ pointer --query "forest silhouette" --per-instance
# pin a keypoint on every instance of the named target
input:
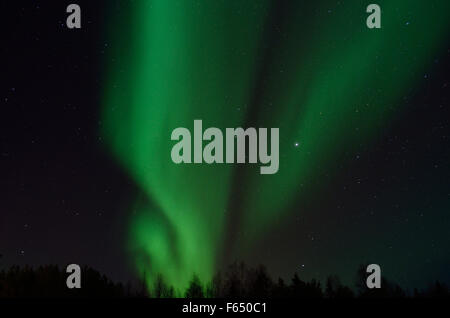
(238, 281)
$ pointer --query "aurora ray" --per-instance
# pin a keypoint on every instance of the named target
(327, 82)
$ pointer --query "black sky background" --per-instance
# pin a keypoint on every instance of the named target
(62, 197)
(64, 200)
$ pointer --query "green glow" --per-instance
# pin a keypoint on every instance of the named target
(346, 88)
(330, 84)
(182, 69)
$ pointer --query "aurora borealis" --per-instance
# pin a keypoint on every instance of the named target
(364, 139)
(315, 71)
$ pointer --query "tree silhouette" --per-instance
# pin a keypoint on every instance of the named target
(258, 283)
(161, 289)
(234, 281)
(195, 289)
(334, 289)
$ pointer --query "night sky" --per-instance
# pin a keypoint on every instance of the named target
(364, 120)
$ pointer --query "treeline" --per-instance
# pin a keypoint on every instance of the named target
(241, 281)
(50, 281)
(238, 281)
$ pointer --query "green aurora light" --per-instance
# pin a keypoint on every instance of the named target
(325, 79)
